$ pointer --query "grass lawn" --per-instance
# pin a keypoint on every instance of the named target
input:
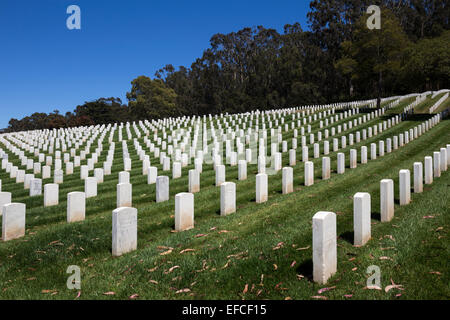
(263, 251)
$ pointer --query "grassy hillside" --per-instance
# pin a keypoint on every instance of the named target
(263, 251)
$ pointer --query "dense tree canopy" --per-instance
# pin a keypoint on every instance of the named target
(339, 58)
(151, 99)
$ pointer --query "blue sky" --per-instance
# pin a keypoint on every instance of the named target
(45, 66)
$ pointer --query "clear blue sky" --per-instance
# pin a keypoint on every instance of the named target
(45, 66)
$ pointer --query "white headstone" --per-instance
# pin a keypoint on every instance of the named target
(242, 170)
(124, 230)
(5, 198)
(124, 177)
(361, 218)
(324, 246)
(386, 200)
(287, 180)
(13, 221)
(227, 198)
(35, 187)
(428, 170)
(405, 186)
(90, 187)
(194, 181)
(418, 177)
(326, 168)
(184, 211)
(51, 194)
(162, 188)
(220, 174)
(261, 187)
(309, 173)
(124, 195)
(76, 206)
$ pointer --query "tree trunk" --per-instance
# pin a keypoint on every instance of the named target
(379, 88)
(351, 88)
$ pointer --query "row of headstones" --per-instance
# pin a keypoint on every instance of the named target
(124, 194)
(194, 179)
(439, 102)
(69, 169)
(165, 161)
(76, 131)
(162, 182)
(124, 231)
(324, 223)
(76, 200)
(77, 159)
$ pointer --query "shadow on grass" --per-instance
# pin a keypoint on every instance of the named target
(347, 236)
(306, 269)
(376, 216)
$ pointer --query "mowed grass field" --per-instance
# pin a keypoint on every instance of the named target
(262, 251)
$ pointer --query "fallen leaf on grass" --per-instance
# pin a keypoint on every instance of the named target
(200, 235)
(47, 291)
(428, 217)
(245, 289)
(372, 288)
(57, 242)
(304, 248)
(183, 290)
(354, 269)
(348, 295)
(278, 246)
(325, 289)
(435, 272)
(293, 263)
(275, 267)
(223, 231)
(320, 297)
(133, 296)
(393, 286)
(166, 252)
(385, 258)
(78, 295)
(173, 268)
(163, 248)
(153, 281)
(186, 250)
(109, 293)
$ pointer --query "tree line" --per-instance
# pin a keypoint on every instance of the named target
(337, 59)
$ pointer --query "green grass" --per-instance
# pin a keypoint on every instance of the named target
(424, 107)
(263, 247)
(444, 105)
